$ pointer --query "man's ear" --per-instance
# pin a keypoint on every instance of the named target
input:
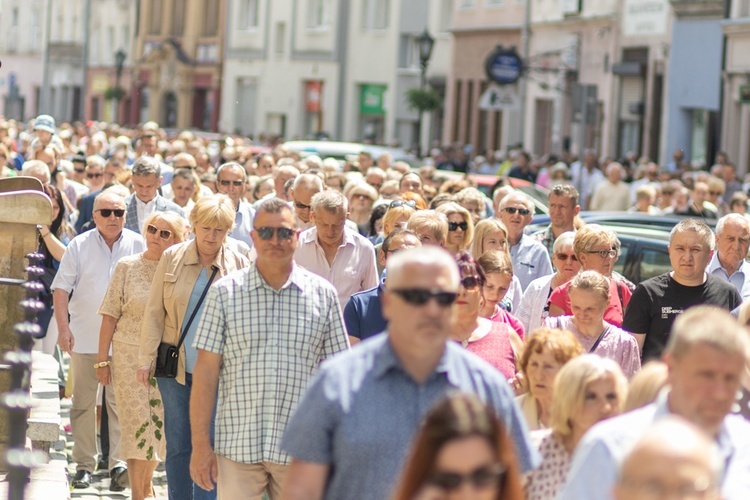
(381, 257)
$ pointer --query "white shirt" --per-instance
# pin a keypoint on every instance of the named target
(740, 279)
(144, 210)
(85, 269)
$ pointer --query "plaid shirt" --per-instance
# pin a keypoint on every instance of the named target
(272, 343)
(546, 238)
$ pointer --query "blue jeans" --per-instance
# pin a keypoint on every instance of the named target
(176, 400)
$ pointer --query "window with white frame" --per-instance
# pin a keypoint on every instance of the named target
(248, 15)
(466, 4)
(375, 14)
(319, 14)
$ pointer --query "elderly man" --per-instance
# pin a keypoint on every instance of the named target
(231, 180)
(352, 431)
(657, 301)
(530, 258)
(335, 252)
(563, 208)
(95, 179)
(304, 188)
(732, 244)
(613, 195)
(146, 200)
(293, 320)
(84, 272)
(363, 315)
(706, 358)
(674, 459)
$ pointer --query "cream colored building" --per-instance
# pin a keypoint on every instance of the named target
(736, 81)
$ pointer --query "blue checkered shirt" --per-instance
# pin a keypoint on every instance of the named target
(272, 343)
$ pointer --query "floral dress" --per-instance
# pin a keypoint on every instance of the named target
(546, 481)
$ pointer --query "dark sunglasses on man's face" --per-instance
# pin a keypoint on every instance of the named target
(80, 170)
(226, 183)
(163, 233)
(513, 210)
(106, 212)
(91, 175)
(266, 233)
(420, 296)
(453, 226)
(302, 206)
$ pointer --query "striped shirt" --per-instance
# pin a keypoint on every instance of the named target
(272, 343)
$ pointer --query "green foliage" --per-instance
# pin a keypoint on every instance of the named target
(421, 100)
(114, 93)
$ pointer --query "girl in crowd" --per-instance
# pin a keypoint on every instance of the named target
(499, 282)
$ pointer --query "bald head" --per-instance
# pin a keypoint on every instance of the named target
(428, 260)
(109, 198)
(674, 458)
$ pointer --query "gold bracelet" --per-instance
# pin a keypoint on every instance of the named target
(101, 364)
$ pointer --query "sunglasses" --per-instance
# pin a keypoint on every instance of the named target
(482, 477)
(106, 212)
(80, 170)
(226, 183)
(360, 196)
(401, 203)
(564, 256)
(187, 166)
(605, 253)
(91, 175)
(513, 210)
(715, 193)
(470, 282)
(452, 226)
(163, 233)
(302, 206)
(266, 233)
(420, 296)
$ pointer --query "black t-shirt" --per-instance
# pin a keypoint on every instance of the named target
(657, 301)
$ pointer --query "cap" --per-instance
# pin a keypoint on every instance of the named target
(45, 122)
(79, 157)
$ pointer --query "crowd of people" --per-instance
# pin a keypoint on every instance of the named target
(309, 328)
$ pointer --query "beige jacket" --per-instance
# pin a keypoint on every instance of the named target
(173, 283)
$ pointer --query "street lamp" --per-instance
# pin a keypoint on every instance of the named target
(119, 62)
(424, 43)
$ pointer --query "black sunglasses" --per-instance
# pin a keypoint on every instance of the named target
(164, 234)
(513, 210)
(78, 170)
(401, 203)
(106, 212)
(483, 477)
(91, 175)
(420, 296)
(226, 183)
(452, 226)
(302, 206)
(266, 233)
(470, 282)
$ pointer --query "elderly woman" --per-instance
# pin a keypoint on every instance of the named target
(534, 306)
(588, 389)
(182, 275)
(122, 313)
(430, 226)
(589, 296)
(495, 342)
(499, 281)
(462, 451)
(546, 351)
(597, 249)
(474, 201)
(460, 227)
(361, 198)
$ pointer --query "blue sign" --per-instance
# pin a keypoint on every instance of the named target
(11, 79)
(503, 66)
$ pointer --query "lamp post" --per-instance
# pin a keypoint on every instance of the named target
(424, 43)
(120, 56)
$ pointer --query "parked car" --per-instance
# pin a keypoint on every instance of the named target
(348, 151)
(488, 183)
(643, 252)
(663, 222)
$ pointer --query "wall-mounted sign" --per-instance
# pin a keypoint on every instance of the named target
(372, 100)
(645, 17)
(497, 98)
(503, 66)
(313, 91)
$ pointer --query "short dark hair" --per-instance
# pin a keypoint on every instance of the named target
(395, 233)
(273, 206)
(565, 190)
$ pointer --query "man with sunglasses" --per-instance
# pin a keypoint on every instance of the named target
(530, 258)
(231, 180)
(304, 188)
(94, 174)
(351, 432)
(146, 200)
(264, 331)
(78, 290)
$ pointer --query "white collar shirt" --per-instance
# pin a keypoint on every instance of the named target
(144, 210)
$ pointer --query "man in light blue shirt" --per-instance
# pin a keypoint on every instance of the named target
(351, 432)
(231, 180)
(732, 244)
(706, 357)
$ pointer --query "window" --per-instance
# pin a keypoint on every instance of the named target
(466, 4)
(178, 18)
(445, 15)
(14, 17)
(375, 14)
(319, 14)
(408, 52)
(493, 3)
(125, 37)
(154, 21)
(211, 17)
(248, 15)
(280, 41)
(111, 43)
(36, 35)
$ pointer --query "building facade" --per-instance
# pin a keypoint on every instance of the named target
(736, 86)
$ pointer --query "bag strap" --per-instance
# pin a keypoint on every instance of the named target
(197, 306)
(596, 344)
(620, 284)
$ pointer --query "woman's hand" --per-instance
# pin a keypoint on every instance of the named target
(143, 375)
(519, 384)
(104, 375)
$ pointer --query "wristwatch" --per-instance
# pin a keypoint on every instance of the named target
(101, 364)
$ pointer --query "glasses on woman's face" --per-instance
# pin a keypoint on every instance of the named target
(470, 282)
(566, 256)
(401, 203)
(164, 234)
(454, 226)
(612, 253)
(487, 476)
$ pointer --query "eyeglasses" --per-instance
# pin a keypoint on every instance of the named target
(564, 256)
(92, 175)
(187, 166)
(80, 170)
(361, 196)
(226, 183)
(266, 233)
(715, 193)
(106, 212)
(470, 282)
(302, 206)
(482, 477)
(452, 226)
(513, 210)
(420, 296)
(401, 203)
(164, 234)
(604, 253)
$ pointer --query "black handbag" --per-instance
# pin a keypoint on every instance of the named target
(168, 355)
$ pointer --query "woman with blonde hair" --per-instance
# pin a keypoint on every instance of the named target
(460, 227)
(499, 288)
(588, 389)
(646, 384)
(172, 315)
(430, 226)
(489, 234)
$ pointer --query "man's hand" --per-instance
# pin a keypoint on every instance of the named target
(143, 375)
(65, 340)
(104, 375)
(204, 468)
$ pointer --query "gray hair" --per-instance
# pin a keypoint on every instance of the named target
(516, 197)
(36, 168)
(146, 165)
(107, 195)
(697, 226)
(330, 200)
(710, 326)
(564, 240)
(737, 218)
(230, 165)
(308, 181)
(97, 161)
